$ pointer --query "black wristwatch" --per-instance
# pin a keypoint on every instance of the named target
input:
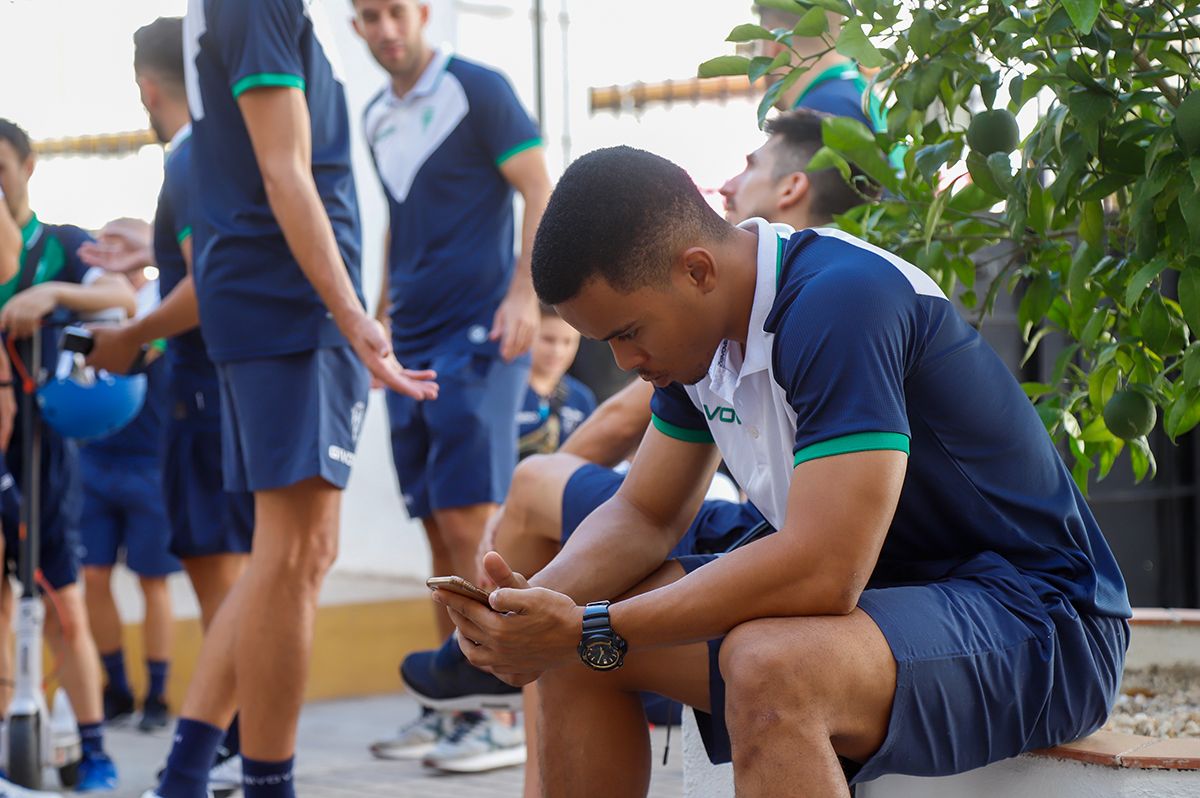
(600, 647)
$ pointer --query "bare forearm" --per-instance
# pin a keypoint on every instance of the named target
(176, 314)
(297, 206)
(100, 295)
(611, 433)
(774, 577)
(10, 245)
(614, 549)
(536, 200)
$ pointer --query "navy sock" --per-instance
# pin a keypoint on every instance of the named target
(232, 744)
(191, 757)
(91, 738)
(267, 779)
(156, 670)
(114, 670)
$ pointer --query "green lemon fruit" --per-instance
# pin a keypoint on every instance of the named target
(993, 131)
(1130, 414)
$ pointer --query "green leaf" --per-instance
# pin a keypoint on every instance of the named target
(988, 88)
(853, 43)
(1082, 262)
(854, 141)
(1108, 456)
(1145, 275)
(1096, 432)
(1083, 13)
(759, 66)
(1183, 415)
(749, 33)
(1103, 187)
(1142, 459)
(1091, 224)
(920, 33)
(1189, 205)
(826, 158)
(1037, 300)
(1187, 121)
(1102, 384)
(724, 65)
(1001, 168)
(836, 6)
(1155, 322)
(1194, 168)
(813, 23)
(981, 176)
(929, 160)
(1189, 294)
(1191, 367)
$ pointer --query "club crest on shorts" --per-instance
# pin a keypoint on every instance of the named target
(357, 414)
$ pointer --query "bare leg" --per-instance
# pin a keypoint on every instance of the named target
(71, 640)
(101, 609)
(210, 695)
(454, 537)
(7, 605)
(295, 543)
(529, 533)
(159, 623)
(212, 579)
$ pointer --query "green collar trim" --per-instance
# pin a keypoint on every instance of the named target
(779, 262)
(849, 71)
(30, 230)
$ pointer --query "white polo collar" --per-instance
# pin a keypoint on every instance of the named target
(429, 80)
(725, 372)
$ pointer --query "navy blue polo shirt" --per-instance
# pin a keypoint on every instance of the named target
(254, 299)
(545, 422)
(172, 227)
(839, 90)
(438, 151)
(851, 348)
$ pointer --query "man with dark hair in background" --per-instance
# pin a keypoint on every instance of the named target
(52, 281)
(452, 144)
(938, 595)
(210, 528)
(276, 237)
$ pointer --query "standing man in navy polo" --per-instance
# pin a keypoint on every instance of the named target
(451, 143)
(276, 241)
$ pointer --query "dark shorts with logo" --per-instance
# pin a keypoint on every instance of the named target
(986, 668)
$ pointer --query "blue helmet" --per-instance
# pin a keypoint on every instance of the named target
(89, 404)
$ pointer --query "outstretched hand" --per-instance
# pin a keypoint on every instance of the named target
(527, 631)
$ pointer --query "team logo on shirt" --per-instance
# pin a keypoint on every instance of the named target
(726, 415)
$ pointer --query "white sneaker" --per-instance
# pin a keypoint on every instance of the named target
(146, 794)
(478, 742)
(10, 790)
(415, 738)
(225, 777)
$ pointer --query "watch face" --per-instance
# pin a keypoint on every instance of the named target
(602, 655)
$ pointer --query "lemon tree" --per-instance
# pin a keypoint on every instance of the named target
(1068, 133)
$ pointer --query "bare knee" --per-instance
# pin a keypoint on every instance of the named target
(767, 679)
(97, 580)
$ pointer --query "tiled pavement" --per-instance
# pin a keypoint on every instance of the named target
(333, 762)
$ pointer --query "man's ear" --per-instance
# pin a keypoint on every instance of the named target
(698, 269)
(793, 189)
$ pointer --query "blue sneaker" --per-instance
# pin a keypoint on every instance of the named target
(97, 773)
(442, 679)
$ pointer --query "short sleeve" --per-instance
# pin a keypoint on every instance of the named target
(74, 270)
(841, 352)
(500, 120)
(259, 43)
(177, 198)
(674, 415)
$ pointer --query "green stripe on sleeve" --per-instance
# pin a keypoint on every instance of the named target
(528, 145)
(267, 79)
(184, 234)
(681, 433)
(859, 442)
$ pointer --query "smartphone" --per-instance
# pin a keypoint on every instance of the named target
(77, 339)
(456, 584)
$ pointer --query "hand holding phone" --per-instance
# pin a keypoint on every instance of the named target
(459, 586)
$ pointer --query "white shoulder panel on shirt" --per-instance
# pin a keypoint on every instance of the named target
(921, 282)
(403, 134)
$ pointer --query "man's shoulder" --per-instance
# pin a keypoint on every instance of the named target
(473, 74)
(68, 235)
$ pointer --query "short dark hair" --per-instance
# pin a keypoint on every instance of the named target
(618, 214)
(158, 47)
(18, 138)
(800, 134)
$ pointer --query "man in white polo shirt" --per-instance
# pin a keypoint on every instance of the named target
(938, 595)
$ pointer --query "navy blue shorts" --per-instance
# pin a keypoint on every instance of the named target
(986, 668)
(123, 510)
(205, 519)
(717, 526)
(461, 448)
(289, 418)
(58, 551)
